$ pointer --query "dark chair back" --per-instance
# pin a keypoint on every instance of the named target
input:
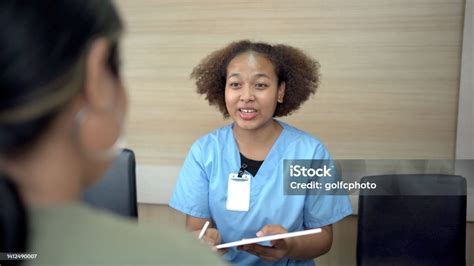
(412, 220)
(116, 191)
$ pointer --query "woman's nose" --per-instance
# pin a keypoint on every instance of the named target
(247, 94)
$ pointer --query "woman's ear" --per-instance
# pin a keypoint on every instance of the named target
(97, 94)
(99, 126)
(281, 92)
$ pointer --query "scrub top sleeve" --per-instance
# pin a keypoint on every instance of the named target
(191, 193)
(321, 210)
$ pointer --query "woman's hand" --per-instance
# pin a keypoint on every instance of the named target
(213, 238)
(280, 248)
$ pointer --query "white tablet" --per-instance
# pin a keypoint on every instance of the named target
(268, 238)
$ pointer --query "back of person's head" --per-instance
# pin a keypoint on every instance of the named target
(44, 49)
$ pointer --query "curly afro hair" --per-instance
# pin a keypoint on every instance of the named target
(292, 66)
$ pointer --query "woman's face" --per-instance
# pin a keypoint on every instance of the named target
(107, 134)
(104, 111)
(252, 91)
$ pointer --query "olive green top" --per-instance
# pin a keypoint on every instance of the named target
(75, 234)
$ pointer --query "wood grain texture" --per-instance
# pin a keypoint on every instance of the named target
(465, 128)
(160, 214)
(390, 71)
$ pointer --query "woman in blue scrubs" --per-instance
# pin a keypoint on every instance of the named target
(233, 176)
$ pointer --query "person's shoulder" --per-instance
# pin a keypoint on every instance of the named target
(215, 137)
(99, 237)
(300, 136)
(164, 244)
(303, 143)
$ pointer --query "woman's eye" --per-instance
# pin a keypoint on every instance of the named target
(234, 85)
(261, 85)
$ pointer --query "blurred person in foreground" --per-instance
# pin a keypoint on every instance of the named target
(62, 110)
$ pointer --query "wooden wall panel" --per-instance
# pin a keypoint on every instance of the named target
(390, 71)
(465, 127)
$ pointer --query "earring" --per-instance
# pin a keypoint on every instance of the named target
(105, 153)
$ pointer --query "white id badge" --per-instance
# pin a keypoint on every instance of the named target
(238, 192)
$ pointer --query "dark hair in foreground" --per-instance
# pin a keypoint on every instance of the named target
(42, 48)
(292, 66)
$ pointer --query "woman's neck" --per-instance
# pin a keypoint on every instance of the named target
(48, 174)
(256, 144)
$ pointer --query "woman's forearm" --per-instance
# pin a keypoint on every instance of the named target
(311, 246)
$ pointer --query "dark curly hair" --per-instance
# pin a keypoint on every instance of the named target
(292, 66)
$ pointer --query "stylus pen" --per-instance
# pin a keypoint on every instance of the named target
(203, 230)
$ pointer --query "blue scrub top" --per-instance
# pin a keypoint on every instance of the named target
(201, 190)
